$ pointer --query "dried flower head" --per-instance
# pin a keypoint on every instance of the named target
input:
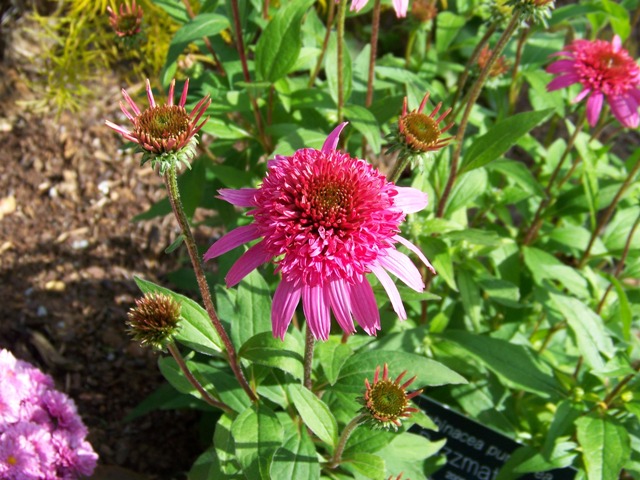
(166, 133)
(154, 320)
(327, 220)
(424, 10)
(499, 67)
(386, 401)
(418, 132)
(127, 21)
(606, 71)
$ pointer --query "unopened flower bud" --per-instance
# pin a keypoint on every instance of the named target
(154, 320)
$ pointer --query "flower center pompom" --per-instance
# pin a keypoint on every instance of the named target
(420, 130)
(161, 123)
(386, 401)
(604, 69)
(328, 215)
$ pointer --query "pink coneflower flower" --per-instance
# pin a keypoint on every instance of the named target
(606, 71)
(164, 130)
(400, 6)
(328, 219)
(127, 21)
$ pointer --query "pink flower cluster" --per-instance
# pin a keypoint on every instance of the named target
(41, 434)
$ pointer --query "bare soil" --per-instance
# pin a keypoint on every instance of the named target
(68, 254)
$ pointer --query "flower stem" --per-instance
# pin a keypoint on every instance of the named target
(472, 59)
(336, 458)
(308, 357)
(194, 381)
(375, 28)
(398, 168)
(473, 97)
(534, 228)
(620, 265)
(171, 182)
(247, 76)
(609, 212)
(325, 44)
(342, 13)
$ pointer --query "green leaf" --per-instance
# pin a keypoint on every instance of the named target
(332, 354)
(331, 70)
(407, 453)
(206, 467)
(605, 446)
(520, 174)
(196, 330)
(367, 464)
(223, 383)
(224, 446)
(279, 45)
(470, 295)
(469, 186)
(252, 307)
(363, 120)
(172, 373)
(297, 458)
(591, 334)
(544, 266)
(449, 24)
(439, 254)
(285, 354)
(257, 433)
(363, 364)
(501, 291)
(315, 414)
(624, 308)
(500, 138)
(515, 364)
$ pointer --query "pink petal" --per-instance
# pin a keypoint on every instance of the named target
(152, 102)
(172, 87)
(363, 306)
(400, 6)
(581, 95)
(183, 97)
(415, 250)
(625, 109)
(562, 81)
(231, 240)
(339, 297)
(240, 198)
(285, 301)
(131, 103)
(247, 263)
(331, 142)
(410, 200)
(391, 289)
(315, 304)
(358, 5)
(400, 265)
(594, 106)
(616, 43)
(121, 130)
(561, 66)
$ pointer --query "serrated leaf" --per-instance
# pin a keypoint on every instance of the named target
(502, 136)
(366, 464)
(264, 349)
(605, 446)
(252, 307)
(257, 434)
(515, 364)
(196, 330)
(332, 354)
(297, 458)
(315, 414)
(280, 43)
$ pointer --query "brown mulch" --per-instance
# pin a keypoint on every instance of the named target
(68, 254)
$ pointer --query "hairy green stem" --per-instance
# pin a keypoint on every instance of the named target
(342, 13)
(473, 97)
(462, 80)
(247, 76)
(620, 265)
(171, 182)
(534, 228)
(398, 168)
(609, 212)
(325, 44)
(308, 357)
(336, 458)
(206, 396)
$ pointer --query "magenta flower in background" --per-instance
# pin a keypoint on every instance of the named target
(327, 220)
(400, 6)
(606, 71)
(41, 434)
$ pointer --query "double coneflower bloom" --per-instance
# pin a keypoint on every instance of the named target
(606, 71)
(327, 220)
